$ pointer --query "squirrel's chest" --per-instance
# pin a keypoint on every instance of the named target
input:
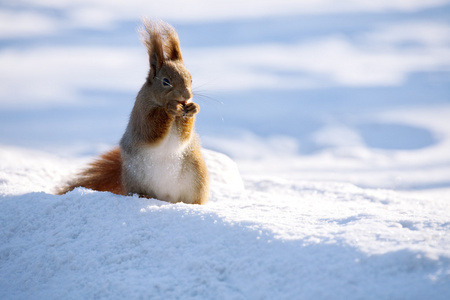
(170, 144)
(161, 168)
(165, 156)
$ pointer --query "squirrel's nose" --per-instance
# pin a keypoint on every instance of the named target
(187, 94)
(182, 96)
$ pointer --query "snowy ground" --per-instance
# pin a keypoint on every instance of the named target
(277, 239)
(337, 118)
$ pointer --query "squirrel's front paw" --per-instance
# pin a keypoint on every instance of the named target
(190, 109)
(175, 108)
(179, 109)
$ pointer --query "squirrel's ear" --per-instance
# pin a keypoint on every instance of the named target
(155, 64)
(172, 43)
(155, 53)
(175, 50)
(152, 39)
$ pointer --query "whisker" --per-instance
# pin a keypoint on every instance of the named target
(201, 85)
(202, 96)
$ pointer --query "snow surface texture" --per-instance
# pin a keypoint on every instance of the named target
(337, 117)
(275, 239)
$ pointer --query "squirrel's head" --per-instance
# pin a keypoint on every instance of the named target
(168, 78)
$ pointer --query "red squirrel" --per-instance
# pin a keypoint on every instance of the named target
(159, 154)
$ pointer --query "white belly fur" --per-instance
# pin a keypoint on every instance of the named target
(160, 170)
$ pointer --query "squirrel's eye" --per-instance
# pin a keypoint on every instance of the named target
(166, 82)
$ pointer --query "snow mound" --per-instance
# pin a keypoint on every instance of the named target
(223, 172)
(21, 172)
(277, 239)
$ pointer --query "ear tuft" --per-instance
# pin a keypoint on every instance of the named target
(162, 43)
(151, 37)
(172, 43)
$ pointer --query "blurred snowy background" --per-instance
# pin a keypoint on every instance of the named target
(337, 114)
(357, 91)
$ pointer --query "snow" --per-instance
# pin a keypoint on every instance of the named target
(325, 129)
(277, 238)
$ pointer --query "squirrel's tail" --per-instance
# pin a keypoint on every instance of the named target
(104, 175)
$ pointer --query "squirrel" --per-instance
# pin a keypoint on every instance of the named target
(159, 154)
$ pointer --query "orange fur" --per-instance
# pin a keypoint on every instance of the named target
(154, 126)
(202, 179)
(103, 174)
(186, 126)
